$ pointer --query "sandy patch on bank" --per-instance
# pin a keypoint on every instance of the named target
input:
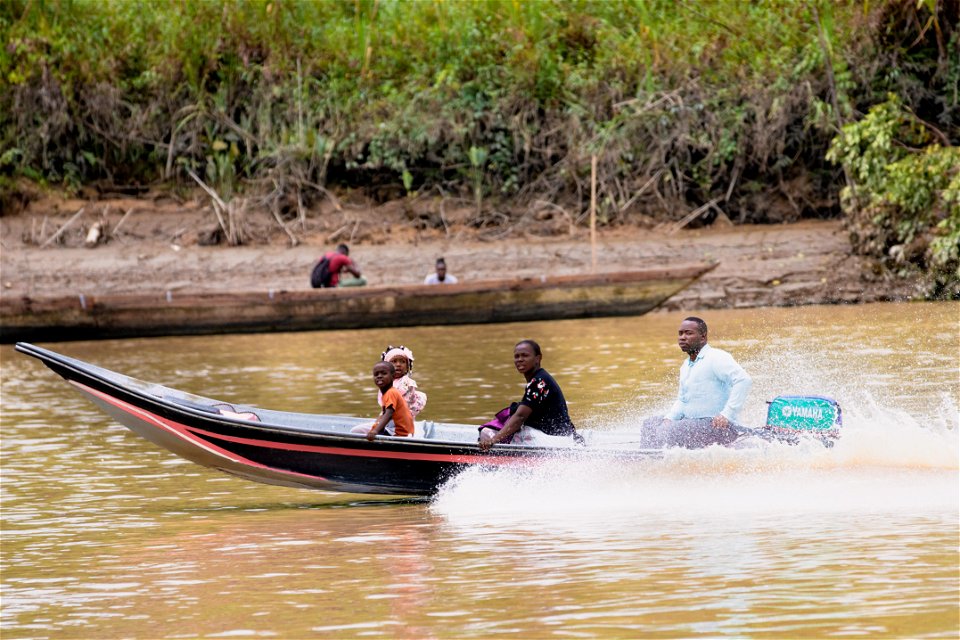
(152, 244)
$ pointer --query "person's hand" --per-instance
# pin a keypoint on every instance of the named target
(720, 422)
(485, 442)
(372, 434)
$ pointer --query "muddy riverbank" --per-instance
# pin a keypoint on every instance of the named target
(158, 244)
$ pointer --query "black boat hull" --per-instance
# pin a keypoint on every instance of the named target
(287, 449)
(315, 451)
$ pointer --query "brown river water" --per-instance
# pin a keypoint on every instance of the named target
(106, 536)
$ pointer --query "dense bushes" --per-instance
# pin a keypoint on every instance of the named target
(724, 102)
(903, 200)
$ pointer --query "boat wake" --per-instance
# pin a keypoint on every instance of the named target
(885, 461)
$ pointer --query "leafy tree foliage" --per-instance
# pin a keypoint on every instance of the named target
(903, 200)
(500, 102)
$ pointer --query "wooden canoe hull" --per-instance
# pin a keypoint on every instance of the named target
(171, 313)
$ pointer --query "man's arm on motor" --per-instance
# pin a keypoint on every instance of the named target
(512, 425)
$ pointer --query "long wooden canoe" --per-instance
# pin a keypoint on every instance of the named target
(168, 313)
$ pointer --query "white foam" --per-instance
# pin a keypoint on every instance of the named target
(885, 462)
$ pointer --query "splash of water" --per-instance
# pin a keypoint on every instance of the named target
(885, 462)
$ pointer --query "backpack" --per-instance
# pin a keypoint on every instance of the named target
(320, 276)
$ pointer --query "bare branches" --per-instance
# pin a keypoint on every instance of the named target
(233, 227)
(693, 215)
(116, 228)
(63, 228)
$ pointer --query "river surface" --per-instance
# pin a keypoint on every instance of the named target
(106, 536)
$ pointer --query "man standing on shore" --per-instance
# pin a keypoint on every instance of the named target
(713, 389)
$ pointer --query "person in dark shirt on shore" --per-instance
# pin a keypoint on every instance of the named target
(541, 417)
(336, 263)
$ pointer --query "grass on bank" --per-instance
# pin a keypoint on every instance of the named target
(502, 102)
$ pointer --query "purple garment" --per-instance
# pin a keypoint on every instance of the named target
(500, 421)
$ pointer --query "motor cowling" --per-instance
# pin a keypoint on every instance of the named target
(818, 416)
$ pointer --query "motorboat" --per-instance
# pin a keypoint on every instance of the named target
(317, 451)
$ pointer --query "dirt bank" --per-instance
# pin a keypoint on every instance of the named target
(154, 243)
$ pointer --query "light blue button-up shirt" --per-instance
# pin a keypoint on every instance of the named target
(713, 384)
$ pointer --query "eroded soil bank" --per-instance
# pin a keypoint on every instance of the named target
(155, 244)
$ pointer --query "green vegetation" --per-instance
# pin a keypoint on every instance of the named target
(903, 200)
(503, 103)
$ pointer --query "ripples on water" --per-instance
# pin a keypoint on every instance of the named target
(106, 536)
(779, 541)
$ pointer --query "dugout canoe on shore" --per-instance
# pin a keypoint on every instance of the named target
(90, 317)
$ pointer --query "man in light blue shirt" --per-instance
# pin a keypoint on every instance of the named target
(713, 388)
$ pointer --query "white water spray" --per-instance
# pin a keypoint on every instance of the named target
(885, 462)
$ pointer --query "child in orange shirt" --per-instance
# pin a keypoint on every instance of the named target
(395, 408)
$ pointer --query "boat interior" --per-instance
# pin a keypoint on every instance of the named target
(426, 430)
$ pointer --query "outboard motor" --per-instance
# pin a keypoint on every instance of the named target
(790, 417)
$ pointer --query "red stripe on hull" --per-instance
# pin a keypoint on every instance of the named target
(181, 431)
(359, 453)
(187, 433)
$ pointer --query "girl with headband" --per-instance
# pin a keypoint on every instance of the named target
(402, 360)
